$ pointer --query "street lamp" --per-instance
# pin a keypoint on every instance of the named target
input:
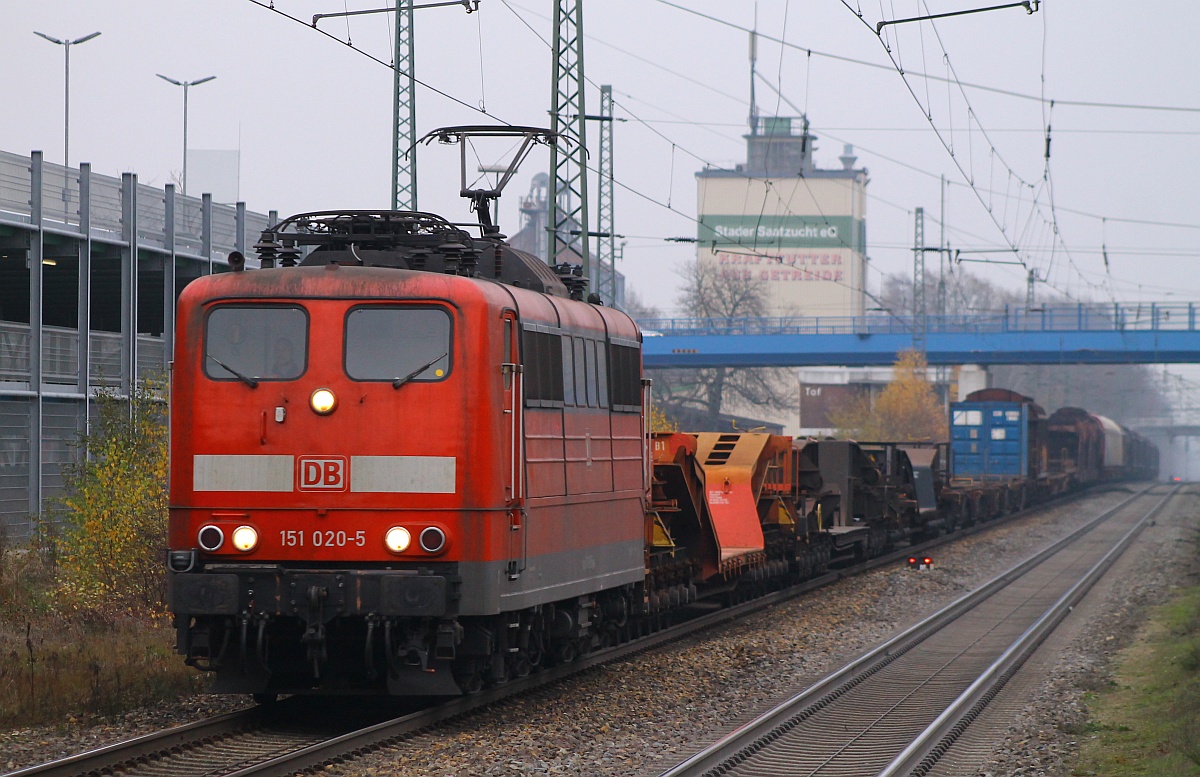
(185, 85)
(66, 44)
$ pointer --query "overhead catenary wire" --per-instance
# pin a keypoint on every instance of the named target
(623, 185)
(1027, 130)
(1035, 206)
(707, 163)
(970, 85)
(512, 6)
(647, 122)
(894, 54)
(1015, 241)
(269, 6)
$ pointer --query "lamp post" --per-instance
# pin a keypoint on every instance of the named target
(185, 85)
(66, 44)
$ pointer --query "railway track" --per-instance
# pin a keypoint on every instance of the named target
(296, 734)
(887, 712)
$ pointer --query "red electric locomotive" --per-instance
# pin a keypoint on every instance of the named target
(403, 460)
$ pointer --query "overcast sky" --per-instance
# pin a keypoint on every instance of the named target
(312, 116)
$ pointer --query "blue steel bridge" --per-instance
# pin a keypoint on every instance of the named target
(1121, 333)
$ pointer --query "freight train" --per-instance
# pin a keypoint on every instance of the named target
(410, 460)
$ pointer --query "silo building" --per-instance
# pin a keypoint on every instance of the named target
(779, 220)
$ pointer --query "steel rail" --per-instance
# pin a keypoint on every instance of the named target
(160, 744)
(929, 746)
(146, 746)
(758, 733)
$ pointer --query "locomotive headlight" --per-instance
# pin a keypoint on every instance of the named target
(397, 539)
(211, 538)
(433, 539)
(245, 538)
(323, 401)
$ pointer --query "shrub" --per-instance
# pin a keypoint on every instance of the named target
(110, 549)
(25, 581)
(56, 667)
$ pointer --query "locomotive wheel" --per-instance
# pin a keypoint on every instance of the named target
(265, 698)
(471, 683)
(565, 652)
(534, 654)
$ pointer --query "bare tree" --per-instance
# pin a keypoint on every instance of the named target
(637, 307)
(966, 294)
(703, 395)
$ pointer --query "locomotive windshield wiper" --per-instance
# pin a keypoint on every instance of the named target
(398, 382)
(251, 382)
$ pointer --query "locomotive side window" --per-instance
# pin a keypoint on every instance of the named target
(625, 378)
(398, 344)
(568, 359)
(592, 374)
(244, 342)
(581, 381)
(542, 354)
(602, 374)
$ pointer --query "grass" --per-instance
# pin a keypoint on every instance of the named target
(1146, 721)
(54, 666)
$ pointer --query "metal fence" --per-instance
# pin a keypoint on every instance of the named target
(60, 206)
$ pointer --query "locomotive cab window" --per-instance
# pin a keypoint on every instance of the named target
(245, 342)
(398, 344)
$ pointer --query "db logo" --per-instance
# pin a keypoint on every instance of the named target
(327, 473)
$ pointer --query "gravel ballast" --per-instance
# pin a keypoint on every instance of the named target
(641, 715)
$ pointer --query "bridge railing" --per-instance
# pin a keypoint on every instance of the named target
(1046, 318)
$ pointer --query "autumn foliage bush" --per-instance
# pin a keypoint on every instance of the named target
(907, 410)
(112, 524)
(660, 422)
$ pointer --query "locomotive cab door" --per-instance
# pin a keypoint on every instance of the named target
(514, 463)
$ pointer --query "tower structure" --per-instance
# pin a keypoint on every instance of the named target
(568, 216)
(920, 310)
(404, 113)
(606, 268)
